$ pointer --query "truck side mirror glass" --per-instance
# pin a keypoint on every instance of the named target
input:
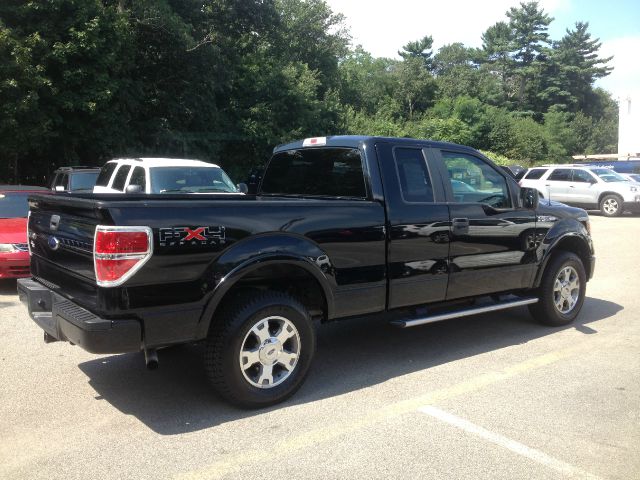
(242, 188)
(133, 189)
(529, 198)
(59, 188)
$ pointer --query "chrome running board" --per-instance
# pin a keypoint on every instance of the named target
(463, 313)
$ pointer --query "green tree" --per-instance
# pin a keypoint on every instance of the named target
(497, 43)
(529, 26)
(416, 87)
(419, 49)
(574, 66)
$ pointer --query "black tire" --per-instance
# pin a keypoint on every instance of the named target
(545, 310)
(229, 333)
(611, 205)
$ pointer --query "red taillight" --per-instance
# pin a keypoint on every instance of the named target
(119, 252)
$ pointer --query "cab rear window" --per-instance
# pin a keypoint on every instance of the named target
(331, 172)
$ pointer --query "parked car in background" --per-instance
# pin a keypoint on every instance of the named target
(586, 187)
(14, 209)
(74, 179)
(163, 175)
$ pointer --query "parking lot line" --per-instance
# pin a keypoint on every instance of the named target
(512, 445)
(235, 461)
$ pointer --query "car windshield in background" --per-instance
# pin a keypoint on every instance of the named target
(14, 204)
(329, 172)
(190, 180)
(83, 180)
(608, 175)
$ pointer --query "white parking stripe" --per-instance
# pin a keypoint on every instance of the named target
(507, 443)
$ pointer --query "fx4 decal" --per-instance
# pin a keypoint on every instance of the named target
(178, 236)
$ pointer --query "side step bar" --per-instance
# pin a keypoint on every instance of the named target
(463, 313)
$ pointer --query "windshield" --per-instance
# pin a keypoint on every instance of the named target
(190, 180)
(83, 180)
(14, 204)
(608, 175)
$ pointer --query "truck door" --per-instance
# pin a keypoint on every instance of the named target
(418, 223)
(492, 244)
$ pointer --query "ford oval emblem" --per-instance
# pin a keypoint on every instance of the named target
(54, 243)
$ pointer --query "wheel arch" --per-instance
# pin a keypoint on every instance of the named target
(275, 271)
(570, 242)
(604, 194)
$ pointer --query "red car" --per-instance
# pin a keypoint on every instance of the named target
(14, 252)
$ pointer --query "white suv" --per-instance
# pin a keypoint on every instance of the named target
(587, 187)
(162, 175)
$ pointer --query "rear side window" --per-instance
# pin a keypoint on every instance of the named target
(415, 182)
(138, 178)
(333, 172)
(121, 177)
(535, 174)
(560, 175)
(62, 180)
(105, 174)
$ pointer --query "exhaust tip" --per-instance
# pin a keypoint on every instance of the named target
(151, 358)
(49, 338)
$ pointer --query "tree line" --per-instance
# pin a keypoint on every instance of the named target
(82, 81)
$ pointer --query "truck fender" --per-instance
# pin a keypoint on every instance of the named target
(269, 250)
(570, 235)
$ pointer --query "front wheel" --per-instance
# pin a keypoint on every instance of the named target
(259, 349)
(611, 206)
(562, 290)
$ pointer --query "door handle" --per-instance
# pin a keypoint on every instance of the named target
(460, 225)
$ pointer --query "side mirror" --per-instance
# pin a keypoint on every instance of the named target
(529, 198)
(59, 188)
(242, 187)
(133, 189)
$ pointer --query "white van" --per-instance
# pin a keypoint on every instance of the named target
(163, 175)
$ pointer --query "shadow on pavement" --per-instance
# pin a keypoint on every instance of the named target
(8, 287)
(351, 355)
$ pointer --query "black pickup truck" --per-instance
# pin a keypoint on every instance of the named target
(341, 226)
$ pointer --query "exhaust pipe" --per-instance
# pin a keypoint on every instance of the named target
(49, 338)
(151, 358)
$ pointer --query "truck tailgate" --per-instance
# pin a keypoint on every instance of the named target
(60, 235)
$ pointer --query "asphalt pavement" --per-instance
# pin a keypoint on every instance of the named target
(491, 396)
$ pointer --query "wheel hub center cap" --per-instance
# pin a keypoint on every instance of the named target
(270, 351)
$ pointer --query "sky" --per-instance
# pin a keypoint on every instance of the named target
(382, 27)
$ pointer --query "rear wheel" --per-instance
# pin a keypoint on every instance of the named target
(561, 292)
(259, 349)
(611, 206)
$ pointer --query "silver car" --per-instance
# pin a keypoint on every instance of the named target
(586, 187)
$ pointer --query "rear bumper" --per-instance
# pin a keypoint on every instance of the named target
(593, 267)
(64, 320)
(14, 265)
